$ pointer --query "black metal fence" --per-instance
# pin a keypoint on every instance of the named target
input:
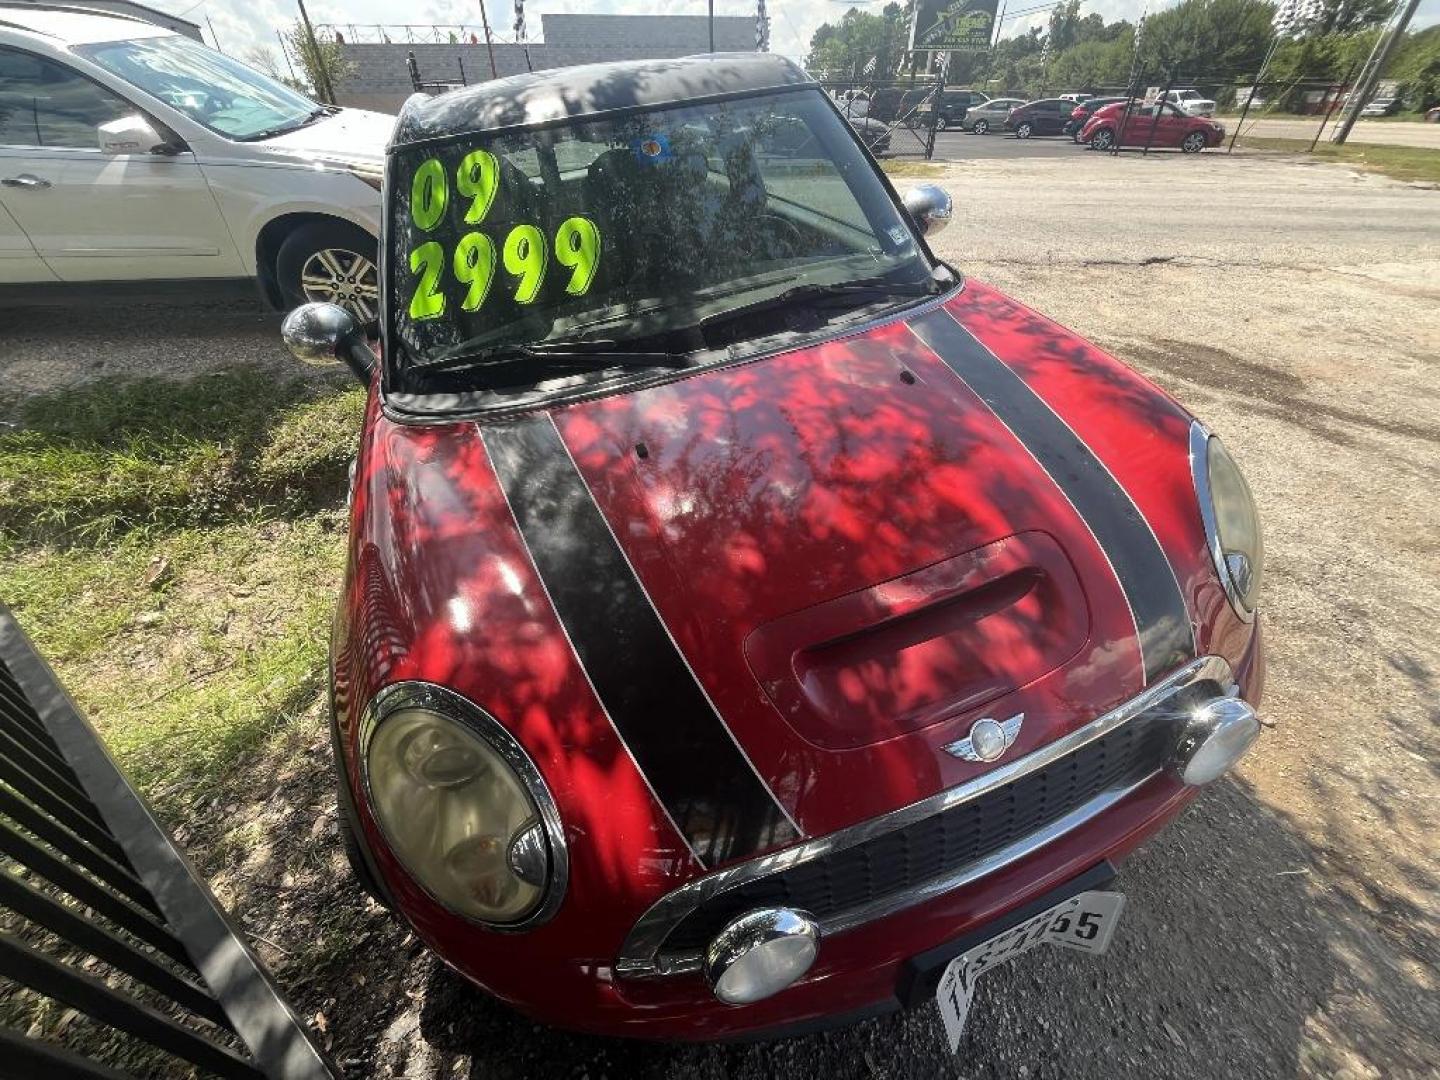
(102, 913)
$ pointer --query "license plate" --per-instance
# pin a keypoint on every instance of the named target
(1084, 923)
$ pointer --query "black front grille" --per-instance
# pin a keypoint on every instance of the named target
(907, 858)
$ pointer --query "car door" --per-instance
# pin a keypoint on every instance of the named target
(1052, 120)
(94, 216)
(1133, 129)
(20, 263)
(1170, 126)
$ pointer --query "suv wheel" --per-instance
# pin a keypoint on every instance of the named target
(1103, 139)
(1023, 129)
(941, 122)
(1194, 142)
(333, 262)
(980, 127)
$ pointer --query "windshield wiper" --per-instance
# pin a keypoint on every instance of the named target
(813, 295)
(318, 113)
(585, 353)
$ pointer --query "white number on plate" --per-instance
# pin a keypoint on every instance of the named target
(1084, 922)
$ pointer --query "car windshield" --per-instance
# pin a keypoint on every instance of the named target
(659, 236)
(223, 94)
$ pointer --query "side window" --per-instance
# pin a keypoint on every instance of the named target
(43, 103)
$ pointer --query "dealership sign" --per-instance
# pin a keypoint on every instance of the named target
(953, 25)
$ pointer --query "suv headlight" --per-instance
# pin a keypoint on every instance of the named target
(463, 807)
(1232, 525)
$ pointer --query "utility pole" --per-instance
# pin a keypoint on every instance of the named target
(489, 45)
(322, 76)
(1379, 57)
(711, 23)
(286, 53)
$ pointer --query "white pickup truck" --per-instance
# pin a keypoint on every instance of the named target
(1191, 102)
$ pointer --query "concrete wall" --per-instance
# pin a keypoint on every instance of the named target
(382, 79)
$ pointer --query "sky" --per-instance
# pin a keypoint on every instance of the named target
(241, 25)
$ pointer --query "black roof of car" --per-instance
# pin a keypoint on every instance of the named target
(563, 93)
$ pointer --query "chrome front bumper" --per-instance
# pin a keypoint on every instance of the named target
(1170, 703)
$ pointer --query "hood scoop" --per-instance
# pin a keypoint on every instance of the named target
(925, 647)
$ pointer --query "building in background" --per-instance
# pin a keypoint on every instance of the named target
(454, 55)
(134, 10)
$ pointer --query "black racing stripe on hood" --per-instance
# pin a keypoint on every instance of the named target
(1162, 620)
(680, 743)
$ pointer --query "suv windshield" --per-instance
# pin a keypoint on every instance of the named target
(223, 94)
(655, 238)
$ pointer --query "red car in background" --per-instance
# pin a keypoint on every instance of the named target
(1156, 125)
(747, 618)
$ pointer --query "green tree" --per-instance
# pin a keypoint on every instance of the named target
(1215, 38)
(324, 56)
(1416, 64)
(843, 50)
(1094, 64)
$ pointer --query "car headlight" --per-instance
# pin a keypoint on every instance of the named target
(1232, 524)
(463, 807)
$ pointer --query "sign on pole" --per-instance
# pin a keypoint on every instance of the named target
(953, 25)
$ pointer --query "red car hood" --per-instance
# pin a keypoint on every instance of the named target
(792, 584)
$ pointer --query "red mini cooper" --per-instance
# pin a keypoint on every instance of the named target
(750, 623)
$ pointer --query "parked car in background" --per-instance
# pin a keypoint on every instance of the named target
(853, 102)
(991, 115)
(1192, 102)
(873, 133)
(1044, 117)
(1157, 125)
(129, 153)
(891, 103)
(744, 618)
(954, 105)
(1082, 113)
(1076, 98)
(1381, 106)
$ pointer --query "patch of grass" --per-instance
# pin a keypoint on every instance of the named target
(89, 464)
(185, 674)
(1399, 162)
(916, 169)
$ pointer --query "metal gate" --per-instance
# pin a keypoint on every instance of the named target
(95, 886)
(895, 118)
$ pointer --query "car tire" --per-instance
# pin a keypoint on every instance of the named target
(1103, 139)
(1023, 129)
(981, 127)
(1193, 143)
(941, 124)
(330, 261)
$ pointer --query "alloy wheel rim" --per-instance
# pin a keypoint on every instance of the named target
(1193, 142)
(981, 127)
(344, 277)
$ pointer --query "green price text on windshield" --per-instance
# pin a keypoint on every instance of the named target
(524, 254)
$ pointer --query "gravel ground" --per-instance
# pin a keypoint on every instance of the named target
(1287, 925)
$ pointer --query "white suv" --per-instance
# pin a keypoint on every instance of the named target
(130, 153)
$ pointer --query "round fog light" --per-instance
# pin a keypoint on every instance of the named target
(1217, 736)
(760, 953)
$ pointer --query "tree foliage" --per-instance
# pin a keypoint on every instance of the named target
(842, 50)
(1215, 45)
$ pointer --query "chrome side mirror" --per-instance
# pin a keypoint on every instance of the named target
(325, 334)
(129, 135)
(930, 206)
